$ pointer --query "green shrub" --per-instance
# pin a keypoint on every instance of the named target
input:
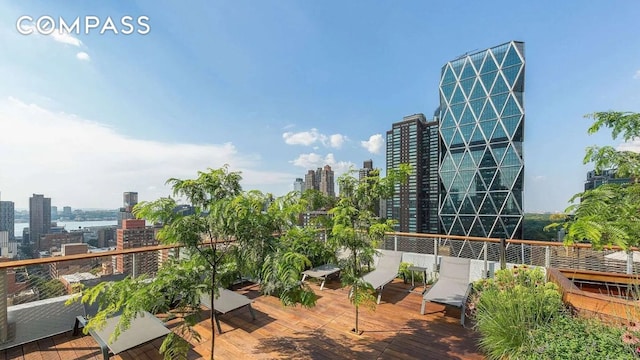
(508, 308)
(576, 338)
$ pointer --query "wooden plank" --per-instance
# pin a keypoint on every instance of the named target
(395, 330)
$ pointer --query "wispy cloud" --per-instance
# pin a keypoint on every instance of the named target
(374, 144)
(313, 136)
(87, 164)
(83, 56)
(66, 38)
(637, 75)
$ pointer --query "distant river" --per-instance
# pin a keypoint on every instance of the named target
(69, 225)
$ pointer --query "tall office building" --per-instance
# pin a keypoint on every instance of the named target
(327, 183)
(298, 185)
(414, 205)
(134, 234)
(481, 127)
(310, 180)
(39, 217)
(129, 200)
(367, 166)
(7, 218)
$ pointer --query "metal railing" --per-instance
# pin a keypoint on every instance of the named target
(45, 283)
(521, 252)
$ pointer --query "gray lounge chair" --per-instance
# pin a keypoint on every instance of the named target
(386, 270)
(321, 272)
(453, 285)
(324, 271)
(226, 301)
(144, 328)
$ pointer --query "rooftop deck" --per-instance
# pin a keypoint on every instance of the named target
(395, 330)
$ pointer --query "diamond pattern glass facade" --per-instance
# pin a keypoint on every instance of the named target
(481, 130)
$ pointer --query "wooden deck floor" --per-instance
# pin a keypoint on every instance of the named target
(395, 330)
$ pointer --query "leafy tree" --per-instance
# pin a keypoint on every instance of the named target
(230, 232)
(357, 229)
(608, 214)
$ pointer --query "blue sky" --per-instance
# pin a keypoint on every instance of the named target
(278, 87)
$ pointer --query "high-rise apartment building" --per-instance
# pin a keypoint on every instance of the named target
(414, 205)
(481, 127)
(7, 218)
(134, 234)
(39, 217)
(298, 185)
(129, 200)
(327, 182)
(310, 180)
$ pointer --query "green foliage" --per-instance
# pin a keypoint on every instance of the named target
(608, 214)
(281, 276)
(534, 227)
(510, 306)
(306, 241)
(230, 233)
(566, 335)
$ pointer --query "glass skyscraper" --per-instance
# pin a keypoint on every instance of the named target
(481, 129)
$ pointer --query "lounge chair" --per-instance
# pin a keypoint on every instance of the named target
(386, 270)
(324, 271)
(453, 285)
(144, 328)
(321, 272)
(226, 301)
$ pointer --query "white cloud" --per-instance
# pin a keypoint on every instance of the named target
(374, 144)
(83, 56)
(313, 136)
(637, 75)
(57, 35)
(633, 145)
(81, 163)
(302, 138)
(313, 161)
(65, 38)
(336, 140)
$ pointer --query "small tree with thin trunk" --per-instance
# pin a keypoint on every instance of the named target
(357, 229)
(226, 233)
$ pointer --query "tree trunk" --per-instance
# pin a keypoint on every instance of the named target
(213, 315)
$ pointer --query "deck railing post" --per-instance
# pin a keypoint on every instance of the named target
(395, 242)
(134, 266)
(629, 262)
(4, 325)
(503, 253)
(547, 256)
(435, 246)
(485, 248)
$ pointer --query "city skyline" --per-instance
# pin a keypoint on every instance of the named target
(276, 89)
